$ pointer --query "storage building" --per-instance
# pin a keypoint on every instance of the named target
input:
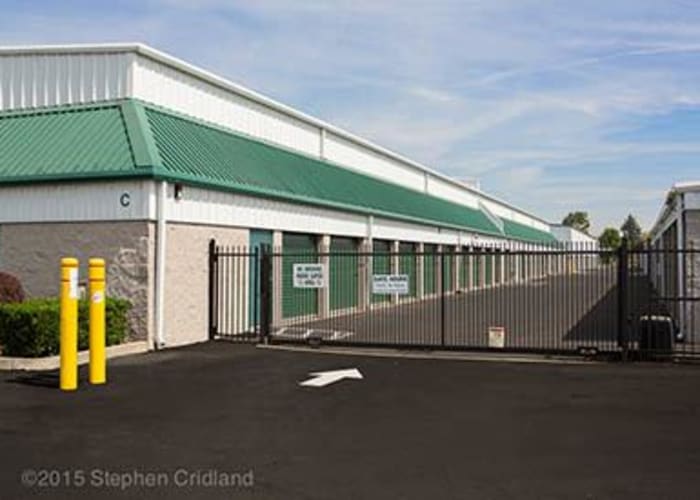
(123, 152)
(675, 261)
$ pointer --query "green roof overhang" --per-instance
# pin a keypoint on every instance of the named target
(130, 139)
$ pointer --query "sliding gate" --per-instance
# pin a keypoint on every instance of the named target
(565, 300)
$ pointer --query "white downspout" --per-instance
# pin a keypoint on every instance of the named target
(161, 201)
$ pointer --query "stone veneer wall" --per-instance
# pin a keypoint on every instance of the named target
(33, 252)
(186, 313)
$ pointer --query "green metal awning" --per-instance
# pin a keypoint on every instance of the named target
(64, 143)
(517, 231)
(129, 138)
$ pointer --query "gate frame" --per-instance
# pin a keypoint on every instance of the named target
(263, 270)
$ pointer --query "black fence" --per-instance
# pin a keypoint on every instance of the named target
(234, 292)
(566, 300)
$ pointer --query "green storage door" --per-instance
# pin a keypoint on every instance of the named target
(464, 268)
(297, 249)
(344, 273)
(381, 264)
(447, 268)
(488, 269)
(258, 239)
(407, 265)
(429, 262)
(497, 263)
(476, 268)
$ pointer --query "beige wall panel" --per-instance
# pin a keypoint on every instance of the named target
(187, 279)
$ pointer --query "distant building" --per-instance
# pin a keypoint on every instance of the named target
(568, 234)
(574, 239)
(678, 223)
(676, 275)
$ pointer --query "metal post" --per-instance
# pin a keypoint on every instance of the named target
(212, 289)
(68, 379)
(442, 298)
(97, 339)
(622, 290)
(256, 288)
(265, 294)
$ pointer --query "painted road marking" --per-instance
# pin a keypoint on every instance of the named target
(306, 333)
(322, 379)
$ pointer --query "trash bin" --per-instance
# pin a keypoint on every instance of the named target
(656, 335)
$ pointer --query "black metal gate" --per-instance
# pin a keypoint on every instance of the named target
(622, 304)
(234, 293)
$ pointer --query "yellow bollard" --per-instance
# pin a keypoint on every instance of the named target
(98, 362)
(69, 324)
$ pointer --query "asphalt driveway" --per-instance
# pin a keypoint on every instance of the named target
(410, 429)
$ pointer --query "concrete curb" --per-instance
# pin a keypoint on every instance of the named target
(53, 362)
(436, 355)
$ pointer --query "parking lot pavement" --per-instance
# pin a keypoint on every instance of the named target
(411, 428)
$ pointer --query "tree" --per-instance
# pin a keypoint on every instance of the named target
(610, 239)
(632, 231)
(577, 220)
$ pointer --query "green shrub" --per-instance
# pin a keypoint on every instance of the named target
(31, 328)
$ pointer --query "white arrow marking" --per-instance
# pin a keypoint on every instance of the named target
(320, 379)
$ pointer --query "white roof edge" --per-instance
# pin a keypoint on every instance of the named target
(75, 48)
(210, 77)
(678, 187)
(664, 212)
(686, 186)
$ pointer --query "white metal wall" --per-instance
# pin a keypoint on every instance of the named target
(567, 234)
(514, 215)
(691, 200)
(76, 202)
(347, 153)
(440, 188)
(31, 81)
(167, 87)
(200, 206)
(136, 200)
(387, 229)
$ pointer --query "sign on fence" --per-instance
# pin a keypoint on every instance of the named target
(497, 337)
(309, 275)
(388, 284)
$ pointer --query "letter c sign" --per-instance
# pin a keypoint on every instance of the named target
(125, 200)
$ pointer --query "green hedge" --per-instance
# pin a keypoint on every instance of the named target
(31, 328)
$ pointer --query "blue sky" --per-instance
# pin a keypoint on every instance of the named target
(553, 105)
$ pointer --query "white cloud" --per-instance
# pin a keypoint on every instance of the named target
(432, 95)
